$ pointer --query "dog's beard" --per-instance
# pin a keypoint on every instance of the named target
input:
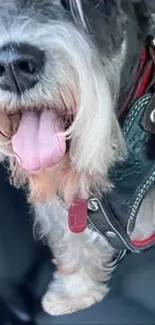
(80, 89)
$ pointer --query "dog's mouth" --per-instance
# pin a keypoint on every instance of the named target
(39, 141)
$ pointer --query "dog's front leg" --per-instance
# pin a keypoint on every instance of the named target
(82, 268)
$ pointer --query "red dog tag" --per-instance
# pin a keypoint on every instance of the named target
(78, 216)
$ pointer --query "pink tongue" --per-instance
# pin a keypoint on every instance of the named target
(38, 143)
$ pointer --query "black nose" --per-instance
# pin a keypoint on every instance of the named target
(20, 66)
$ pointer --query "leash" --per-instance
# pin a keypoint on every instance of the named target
(114, 215)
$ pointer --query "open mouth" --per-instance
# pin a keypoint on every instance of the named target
(39, 141)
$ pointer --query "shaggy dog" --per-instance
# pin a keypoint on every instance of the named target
(65, 67)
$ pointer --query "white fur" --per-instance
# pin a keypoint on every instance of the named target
(83, 260)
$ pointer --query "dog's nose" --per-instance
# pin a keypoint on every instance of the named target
(20, 66)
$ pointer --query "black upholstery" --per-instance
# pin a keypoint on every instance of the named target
(26, 270)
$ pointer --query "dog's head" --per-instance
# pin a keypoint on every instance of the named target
(60, 68)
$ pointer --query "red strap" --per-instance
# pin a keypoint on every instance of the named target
(142, 82)
(144, 242)
(143, 86)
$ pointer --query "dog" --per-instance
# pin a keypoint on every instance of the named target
(65, 67)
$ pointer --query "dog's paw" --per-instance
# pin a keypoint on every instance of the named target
(56, 304)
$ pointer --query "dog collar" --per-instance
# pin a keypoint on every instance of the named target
(114, 215)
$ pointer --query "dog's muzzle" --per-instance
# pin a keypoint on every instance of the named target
(39, 130)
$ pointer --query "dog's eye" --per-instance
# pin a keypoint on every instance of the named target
(65, 4)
